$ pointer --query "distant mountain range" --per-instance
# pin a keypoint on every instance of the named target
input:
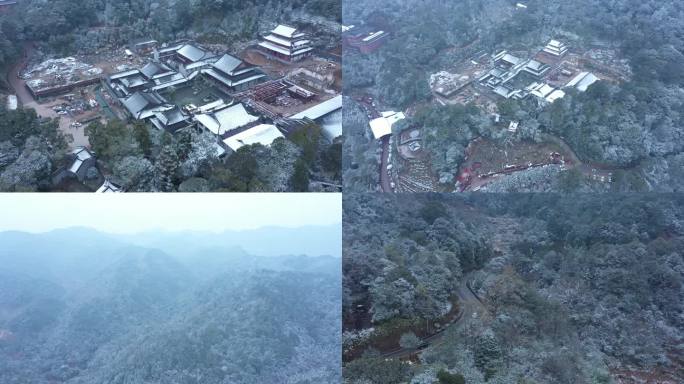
(265, 241)
(80, 306)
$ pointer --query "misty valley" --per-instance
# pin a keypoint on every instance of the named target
(80, 306)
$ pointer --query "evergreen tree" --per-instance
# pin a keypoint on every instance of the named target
(445, 377)
(488, 354)
(167, 169)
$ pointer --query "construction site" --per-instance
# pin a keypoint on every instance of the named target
(68, 88)
(313, 83)
(486, 159)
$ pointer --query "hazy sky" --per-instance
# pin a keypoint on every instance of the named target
(129, 213)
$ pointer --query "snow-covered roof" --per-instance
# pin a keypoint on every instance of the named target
(228, 82)
(535, 65)
(153, 69)
(170, 117)
(507, 57)
(211, 106)
(174, 80)
(226, 119)
(555, 44)
(227, 64)
(556, 48)
(142, 101)
(124, 74)
(192, 53)
(82, 154)
(12, 102)
(284, 30)
(219, 150)
(582, 81)
(263, 134)
(382, 126)
(108, 187)
(373, 36)
(75, 166)
(320, 110)
(540, 90)
(513, 126)
(276, 48)
(275, 39)
(332, 125)
(555, 95)
(209, 122)
(133, 81)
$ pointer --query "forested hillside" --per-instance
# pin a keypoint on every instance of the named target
(73, 25)
(78, 306)
(634, 127)
(546, 288)
(30, 149)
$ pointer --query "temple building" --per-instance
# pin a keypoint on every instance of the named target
(82, 160)
(151, 75)
(582, 81)
(506, 61)
(369, 42)
(234, 74)
(226, 120)
(171, 120)
(185, 54)
(286, 44)
(536, 68)
(545, 92)
(143, 105)
(264, 134)
(556, 48)
(109, 187)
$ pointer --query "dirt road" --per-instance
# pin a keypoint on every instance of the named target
(385, 180)
(590, 170)
(471, 307)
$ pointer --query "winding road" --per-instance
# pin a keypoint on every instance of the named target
(471, 307)
(385, 181)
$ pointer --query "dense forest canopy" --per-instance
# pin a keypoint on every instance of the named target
(62, 23)
(562, 282)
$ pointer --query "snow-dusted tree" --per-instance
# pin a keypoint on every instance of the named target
(488, 355)
(135, 174)
(167, 169)
(30, 170)
(409, 340)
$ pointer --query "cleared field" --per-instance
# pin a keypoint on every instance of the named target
(485, 156)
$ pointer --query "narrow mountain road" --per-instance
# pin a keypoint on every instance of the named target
(13, 80)
(385, 181)
(471, 307)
